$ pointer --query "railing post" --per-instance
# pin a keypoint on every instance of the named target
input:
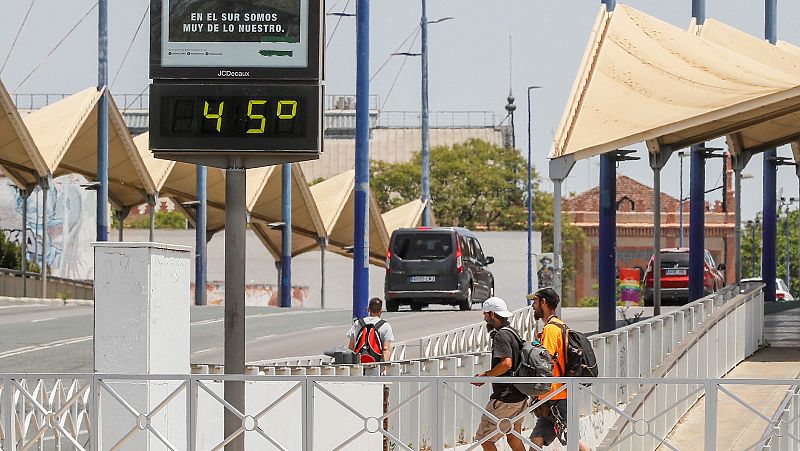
(572, 414)
(308, 414)
(711, 416)
(437, 413)
(94, 416)
(191, 414)
(10, 440)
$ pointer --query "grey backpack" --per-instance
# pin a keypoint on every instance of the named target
(533, 361)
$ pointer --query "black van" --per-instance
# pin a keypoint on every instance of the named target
(436, 265)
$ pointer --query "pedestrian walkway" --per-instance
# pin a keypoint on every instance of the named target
(737, 426)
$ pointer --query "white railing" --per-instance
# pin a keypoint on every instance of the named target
(329, 412)
(637, 349)
(783, 430)
(720, 336)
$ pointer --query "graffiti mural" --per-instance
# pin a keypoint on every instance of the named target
(255, 294)
(70, 225)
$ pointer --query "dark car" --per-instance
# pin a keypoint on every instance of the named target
(675, 276)
(439, 265)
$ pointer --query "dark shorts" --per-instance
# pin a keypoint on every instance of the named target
(546, 426)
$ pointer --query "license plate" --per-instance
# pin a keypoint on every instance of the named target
(675, 272)
(422, 279)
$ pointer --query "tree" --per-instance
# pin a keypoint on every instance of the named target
(751, 246)
(10, 255)
(479, 186)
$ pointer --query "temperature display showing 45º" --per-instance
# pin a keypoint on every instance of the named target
(235, 117)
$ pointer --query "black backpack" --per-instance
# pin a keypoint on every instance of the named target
(533, 360)
(368, 343)
(580, 359)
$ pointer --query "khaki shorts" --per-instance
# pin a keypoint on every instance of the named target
(500, 410)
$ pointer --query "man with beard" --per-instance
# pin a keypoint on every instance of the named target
(551, 420)
(506, 402)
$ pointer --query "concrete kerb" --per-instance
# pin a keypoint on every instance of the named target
(55, 301)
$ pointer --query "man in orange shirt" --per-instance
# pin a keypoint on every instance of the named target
(551, 416)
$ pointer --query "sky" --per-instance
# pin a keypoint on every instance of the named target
(470, 66)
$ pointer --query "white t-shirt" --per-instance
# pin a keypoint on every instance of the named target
(385, 331)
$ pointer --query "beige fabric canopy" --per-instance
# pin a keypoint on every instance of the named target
(65, 133)
(335, 199)
(784, 58)
(408, 215)
(642, 79)
(19, 157)
(178, 181)
(264, 204)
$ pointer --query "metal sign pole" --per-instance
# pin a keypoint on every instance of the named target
(235, 230)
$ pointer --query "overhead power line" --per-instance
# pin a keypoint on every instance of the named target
(130, 45)
(414, 33)
(338, 22)
(14, 43)
(56, 47)
(399, 71)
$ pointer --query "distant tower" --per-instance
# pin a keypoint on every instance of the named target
(510, 107)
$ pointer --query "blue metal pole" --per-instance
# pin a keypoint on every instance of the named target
(530, 204)
(102, 122)
(426, 145)
(699, 11)
(769, 228)
(361, 226)
(201, 255)
(610, 4)
(697, 213)
(286, 235)
(607, 255)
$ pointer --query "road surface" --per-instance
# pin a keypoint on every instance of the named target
(39, 338)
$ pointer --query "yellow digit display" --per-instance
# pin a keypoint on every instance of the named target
(217, 115)
(256, 116)
(281, 104)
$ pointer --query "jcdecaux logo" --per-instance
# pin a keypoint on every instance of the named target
(230, 73)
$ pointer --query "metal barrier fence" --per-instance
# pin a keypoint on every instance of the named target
(11, 285)
(332, 412)
(667, 329)
(783, 429)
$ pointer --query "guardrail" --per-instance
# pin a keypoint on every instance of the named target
(668, 329)
(783, 431)
(11, 285)
(726, 334)
(340, 411)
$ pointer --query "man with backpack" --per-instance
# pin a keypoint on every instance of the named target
(371, 337)
(505, 402)
(551, 416)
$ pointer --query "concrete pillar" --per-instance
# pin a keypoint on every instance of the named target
(141, 327)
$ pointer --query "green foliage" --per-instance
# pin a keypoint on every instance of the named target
(751, 246)
(479, 186)
(164, 220)
(11, 256)
(316, 180)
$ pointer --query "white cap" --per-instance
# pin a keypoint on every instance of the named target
(496, 305)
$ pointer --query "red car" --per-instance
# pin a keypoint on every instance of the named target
(675, 276)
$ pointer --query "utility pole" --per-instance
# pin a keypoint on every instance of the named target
(361, 219)
(426, 145)
(102, 122)
(530, 198)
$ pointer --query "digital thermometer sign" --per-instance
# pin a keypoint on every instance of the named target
(189, 117)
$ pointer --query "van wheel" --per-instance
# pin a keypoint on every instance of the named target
(416, 307)
(466, 304)
(392, 305)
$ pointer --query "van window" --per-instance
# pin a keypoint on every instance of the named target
(423, 246)
(466, 250)
(476, 246)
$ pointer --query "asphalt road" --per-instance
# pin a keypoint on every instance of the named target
(58, 339)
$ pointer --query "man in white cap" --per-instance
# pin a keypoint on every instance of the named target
(506, 402)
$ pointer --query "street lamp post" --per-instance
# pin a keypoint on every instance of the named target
(786, 203)
(530, 198)
(681, 154)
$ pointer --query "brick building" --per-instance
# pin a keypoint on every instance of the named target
(635, 229)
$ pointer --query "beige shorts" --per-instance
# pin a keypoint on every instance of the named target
(500, 410)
